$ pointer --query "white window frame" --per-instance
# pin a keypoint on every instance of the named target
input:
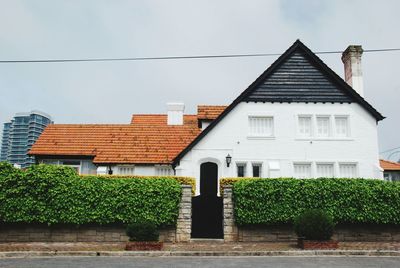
(325, 163)
(124, 167)
(261, 115)
(348, 163)
(300, 135)
(348, 126)
(237, 164)
(332, 135)
(329, 117)
(303, 163)
(160, 170)
(260, 165)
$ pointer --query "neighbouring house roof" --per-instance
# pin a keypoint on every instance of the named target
(148, 140)
(389, 165)
(209, 112)
(298, 75)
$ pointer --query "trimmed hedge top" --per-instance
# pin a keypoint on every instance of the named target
(277, 201)
(182, 180)
(57, 195)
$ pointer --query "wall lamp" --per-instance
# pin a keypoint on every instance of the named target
(110, 171)
(228, 159)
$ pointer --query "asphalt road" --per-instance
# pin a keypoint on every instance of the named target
(203, 262)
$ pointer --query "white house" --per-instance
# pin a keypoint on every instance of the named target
(298, 119)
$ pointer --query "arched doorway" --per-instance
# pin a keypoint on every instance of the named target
(207, 207)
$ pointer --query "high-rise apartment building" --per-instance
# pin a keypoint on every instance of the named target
(20, 134)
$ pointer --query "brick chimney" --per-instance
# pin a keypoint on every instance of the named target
(351, 58)
(175, 113)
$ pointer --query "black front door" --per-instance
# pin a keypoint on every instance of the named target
(207, 207)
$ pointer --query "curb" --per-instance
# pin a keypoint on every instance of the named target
(288, 253)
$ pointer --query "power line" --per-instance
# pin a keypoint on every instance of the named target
(178, 57)
(389, 150)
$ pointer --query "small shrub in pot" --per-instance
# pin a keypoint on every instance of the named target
(142, 231)
(143, 236)
(315, 225)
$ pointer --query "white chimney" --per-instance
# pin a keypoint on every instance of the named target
(351, 58)
(175, 113)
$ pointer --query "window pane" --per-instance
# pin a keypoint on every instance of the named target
(395, 176)
(302, 171)
(386, 176)
(257, 170)
(305, 126)
(348, 170)
(164, 171)
(325, 170)
(126, 170)
(341, 124)
(323, 126)
(261, 126)
(241, 170)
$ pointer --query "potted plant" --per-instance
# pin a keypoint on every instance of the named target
(314, 229)
(143, 236)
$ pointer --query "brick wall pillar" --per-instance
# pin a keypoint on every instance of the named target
(231, 232)
(184, 224)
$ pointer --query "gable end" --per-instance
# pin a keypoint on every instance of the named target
(349, 94)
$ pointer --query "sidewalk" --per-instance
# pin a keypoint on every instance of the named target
(197, 246)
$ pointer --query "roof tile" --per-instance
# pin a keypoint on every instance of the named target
(389, 165)
(209, 112)
(147, 140)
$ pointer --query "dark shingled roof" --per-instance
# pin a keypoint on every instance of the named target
(298, 80)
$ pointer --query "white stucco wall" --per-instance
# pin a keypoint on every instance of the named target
(230, 136)
(145, 170)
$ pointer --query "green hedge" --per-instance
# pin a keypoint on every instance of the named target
(182, 180)
(57, 195)
(277, 201)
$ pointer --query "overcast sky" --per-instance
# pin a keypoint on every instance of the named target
(109, 92)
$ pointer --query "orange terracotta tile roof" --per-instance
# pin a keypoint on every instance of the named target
(209, 112)
(147, 140)
(389, 165)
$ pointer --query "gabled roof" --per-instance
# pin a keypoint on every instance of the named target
(149, 140)
(389, 165)
(276, 85)
(209, 112)
(298, 79)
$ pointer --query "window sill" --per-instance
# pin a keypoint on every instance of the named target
(261, 137)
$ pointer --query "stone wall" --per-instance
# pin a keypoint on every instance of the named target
(284, 233)
(230, 229)
(97, 233)
(184, 224)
